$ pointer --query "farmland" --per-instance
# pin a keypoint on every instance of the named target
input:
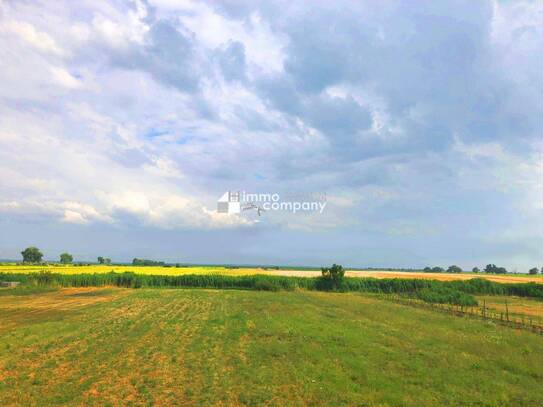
(515, 306)
(222, 270)
(128, 335)
(96, 268)
(229, 347)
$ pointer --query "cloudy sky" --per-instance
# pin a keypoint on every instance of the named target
(123, 122)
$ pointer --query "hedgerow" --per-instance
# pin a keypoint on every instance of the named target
(454, 292)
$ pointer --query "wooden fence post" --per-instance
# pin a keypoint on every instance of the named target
(519, 322)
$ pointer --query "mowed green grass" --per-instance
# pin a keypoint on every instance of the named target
(205, 347)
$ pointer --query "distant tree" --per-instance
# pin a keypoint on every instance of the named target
(32, 255)
(437, 269)
(533, 270)
(146, 262)
(475, 270)
(107, 260)
(101, 260)
(454, 269)
(66, 258)
(492, 268)
(427, 269)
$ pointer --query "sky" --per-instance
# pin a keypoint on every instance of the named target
(123, 122)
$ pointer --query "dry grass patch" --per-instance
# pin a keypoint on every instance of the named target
(518, 306)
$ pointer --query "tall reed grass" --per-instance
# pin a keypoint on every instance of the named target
(454, 292)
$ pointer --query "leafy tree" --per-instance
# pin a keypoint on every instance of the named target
(107, 260)
(492, 268)
(32, 255)
(533, 270)
(66, 258)
(454, 269)
(475, 270)
(101, 260)
(427, 269)
(437, 269)
(333, 274)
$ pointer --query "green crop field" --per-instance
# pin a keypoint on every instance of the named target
(111, 346)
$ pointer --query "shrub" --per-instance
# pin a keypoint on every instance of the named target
(44, 277)
(333, 276)
(446, 296)
(266, 285)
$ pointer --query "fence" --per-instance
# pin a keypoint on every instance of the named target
(534, 324)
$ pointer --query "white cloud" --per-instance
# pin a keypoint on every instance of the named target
(478, 150)
(64, 78)
(85, 212)
(119, 33)
(163, 166)
(73, 217)
(264, 48)
(37, 39)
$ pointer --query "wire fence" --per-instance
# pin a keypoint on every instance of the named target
(514, 320)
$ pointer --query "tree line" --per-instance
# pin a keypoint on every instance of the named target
(33, 255)
(490, 269)
(146, 262)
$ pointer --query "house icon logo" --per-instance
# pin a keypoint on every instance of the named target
(229, 202)
(235, 202)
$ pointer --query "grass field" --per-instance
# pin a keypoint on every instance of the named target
(174, 271)
(230, 347)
